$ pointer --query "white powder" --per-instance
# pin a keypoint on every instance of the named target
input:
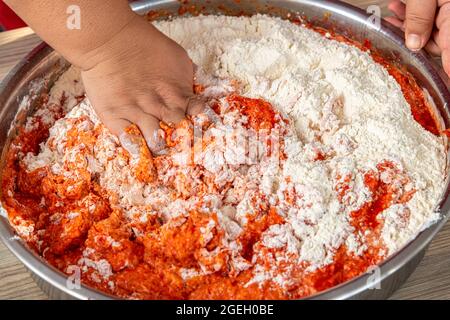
(340, 104)
(101, 267)
(332, 91)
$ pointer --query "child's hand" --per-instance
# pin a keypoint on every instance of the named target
(426, 24)
(131, 71)
(140, 76)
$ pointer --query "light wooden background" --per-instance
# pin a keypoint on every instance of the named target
(431, 280)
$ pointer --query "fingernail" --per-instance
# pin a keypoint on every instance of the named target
(158, 141)
(211, 114)
(414, 42)
(130, 144)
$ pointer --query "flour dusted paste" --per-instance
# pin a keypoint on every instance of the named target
(344, 123)
(303, 74)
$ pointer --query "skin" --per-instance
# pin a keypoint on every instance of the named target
(131, 71)
(426, 24)
(134, 74)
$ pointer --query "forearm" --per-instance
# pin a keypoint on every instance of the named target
(100, 20)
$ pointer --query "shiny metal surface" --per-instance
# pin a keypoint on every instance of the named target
(342, 18)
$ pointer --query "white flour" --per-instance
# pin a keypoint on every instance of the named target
(340, 104)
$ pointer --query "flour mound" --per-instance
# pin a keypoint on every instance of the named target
(347, 121)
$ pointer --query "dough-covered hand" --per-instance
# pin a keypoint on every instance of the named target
(140, 76)
(426, 24)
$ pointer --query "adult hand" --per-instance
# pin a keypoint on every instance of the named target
(426, 24)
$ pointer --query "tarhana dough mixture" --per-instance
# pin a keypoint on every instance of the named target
(311, 169)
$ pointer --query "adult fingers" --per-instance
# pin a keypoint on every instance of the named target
(443, 25)
(442, 39)
(446, 61)
(396, 22)
(433, 48)
(443, 14)
(420, 16)
(444, 44)
(398, 8)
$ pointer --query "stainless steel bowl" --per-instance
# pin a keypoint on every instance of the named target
(44, 63)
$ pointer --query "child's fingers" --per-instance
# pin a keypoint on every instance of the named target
(117, 126)
(172, 115)
(150, 129)
(195, 106)
(116, 119)
(169, 106)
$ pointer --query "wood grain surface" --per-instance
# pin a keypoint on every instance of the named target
(431, 280)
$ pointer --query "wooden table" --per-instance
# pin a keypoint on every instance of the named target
(431, 280)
